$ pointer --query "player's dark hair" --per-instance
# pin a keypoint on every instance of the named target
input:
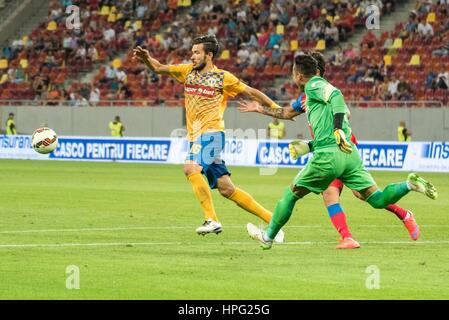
(210, 44)
(321, 64)
(306, 65)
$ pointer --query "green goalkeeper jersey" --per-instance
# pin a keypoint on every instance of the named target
(323, 101)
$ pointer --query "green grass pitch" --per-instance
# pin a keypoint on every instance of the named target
(130, 228)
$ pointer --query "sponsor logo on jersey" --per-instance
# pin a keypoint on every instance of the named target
(199, 90)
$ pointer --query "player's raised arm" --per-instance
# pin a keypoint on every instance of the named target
(144, 56)
(287, 112)
(281, 113)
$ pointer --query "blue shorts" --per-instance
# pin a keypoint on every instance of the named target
(206, 151)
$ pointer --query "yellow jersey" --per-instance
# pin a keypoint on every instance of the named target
(116, 129)
(10, 127)
(206, 96)
(402, 136)
(277, 131)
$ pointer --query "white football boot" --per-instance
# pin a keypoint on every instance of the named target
(257, 234)
(209, 226)
(279, 237)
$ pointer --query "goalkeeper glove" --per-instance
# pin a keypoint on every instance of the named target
(298, 148)
(340, 139)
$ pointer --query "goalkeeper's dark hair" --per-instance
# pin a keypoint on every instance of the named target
(210, 44)
(321, 64)
(306, 65)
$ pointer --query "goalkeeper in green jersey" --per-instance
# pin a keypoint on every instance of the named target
(335, 156)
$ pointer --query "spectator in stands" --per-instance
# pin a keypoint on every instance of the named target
(338, 58)
(431, 80)
(92, 54)
(94, 96)
(424, 6)
(109, 34)
(254, 57)
(315, 30)
(276, 55)
(411, 28)
(243, 56)
(80, 101)
(283, 95)
(41, 85)
(274, 39)
(442, 80)
(425, 30)
(18, 75)
(350, 53)
(403, 133)
(404, 90)
(381, 90)
(388, 43)
(393, 86)
(331, 34)
(441, 51)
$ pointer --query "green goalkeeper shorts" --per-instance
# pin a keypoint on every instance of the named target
(329, 164)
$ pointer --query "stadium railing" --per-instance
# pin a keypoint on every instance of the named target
(179, 103)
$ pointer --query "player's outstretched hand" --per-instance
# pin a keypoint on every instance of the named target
(340, 139)
(252, 106)
(141, 54)
(298, 148)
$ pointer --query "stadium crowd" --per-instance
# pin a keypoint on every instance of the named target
(259, 38)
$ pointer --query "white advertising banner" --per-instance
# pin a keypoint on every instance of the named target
(376, 155)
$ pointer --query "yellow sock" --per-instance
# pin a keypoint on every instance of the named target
(203, 194)
(246, 201)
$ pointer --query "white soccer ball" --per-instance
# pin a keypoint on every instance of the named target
(44, 140)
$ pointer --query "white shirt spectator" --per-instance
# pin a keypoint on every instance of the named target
(55, 13)
(93, 53)
(241, 15)
(208, 7)
(243, 54)
(393, 86)
(66, 42)
(187, 42)
(94, 95)
(425, 29)
(212, 30)
(109, 34)
(110, 73)
(254, 58)
(141, 9)
(166, 42)
(81, 52)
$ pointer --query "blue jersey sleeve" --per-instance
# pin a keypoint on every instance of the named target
(300, 104)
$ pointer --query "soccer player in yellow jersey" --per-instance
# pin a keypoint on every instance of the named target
(206, 90)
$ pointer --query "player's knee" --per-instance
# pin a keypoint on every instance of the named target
(331, 196)
(190, 169)
(226, 190)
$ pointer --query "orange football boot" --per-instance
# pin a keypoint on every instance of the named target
(348, 243)
(412, 226)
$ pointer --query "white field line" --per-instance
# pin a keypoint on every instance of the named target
(131, 228)
(194, 227)
(177, 243)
